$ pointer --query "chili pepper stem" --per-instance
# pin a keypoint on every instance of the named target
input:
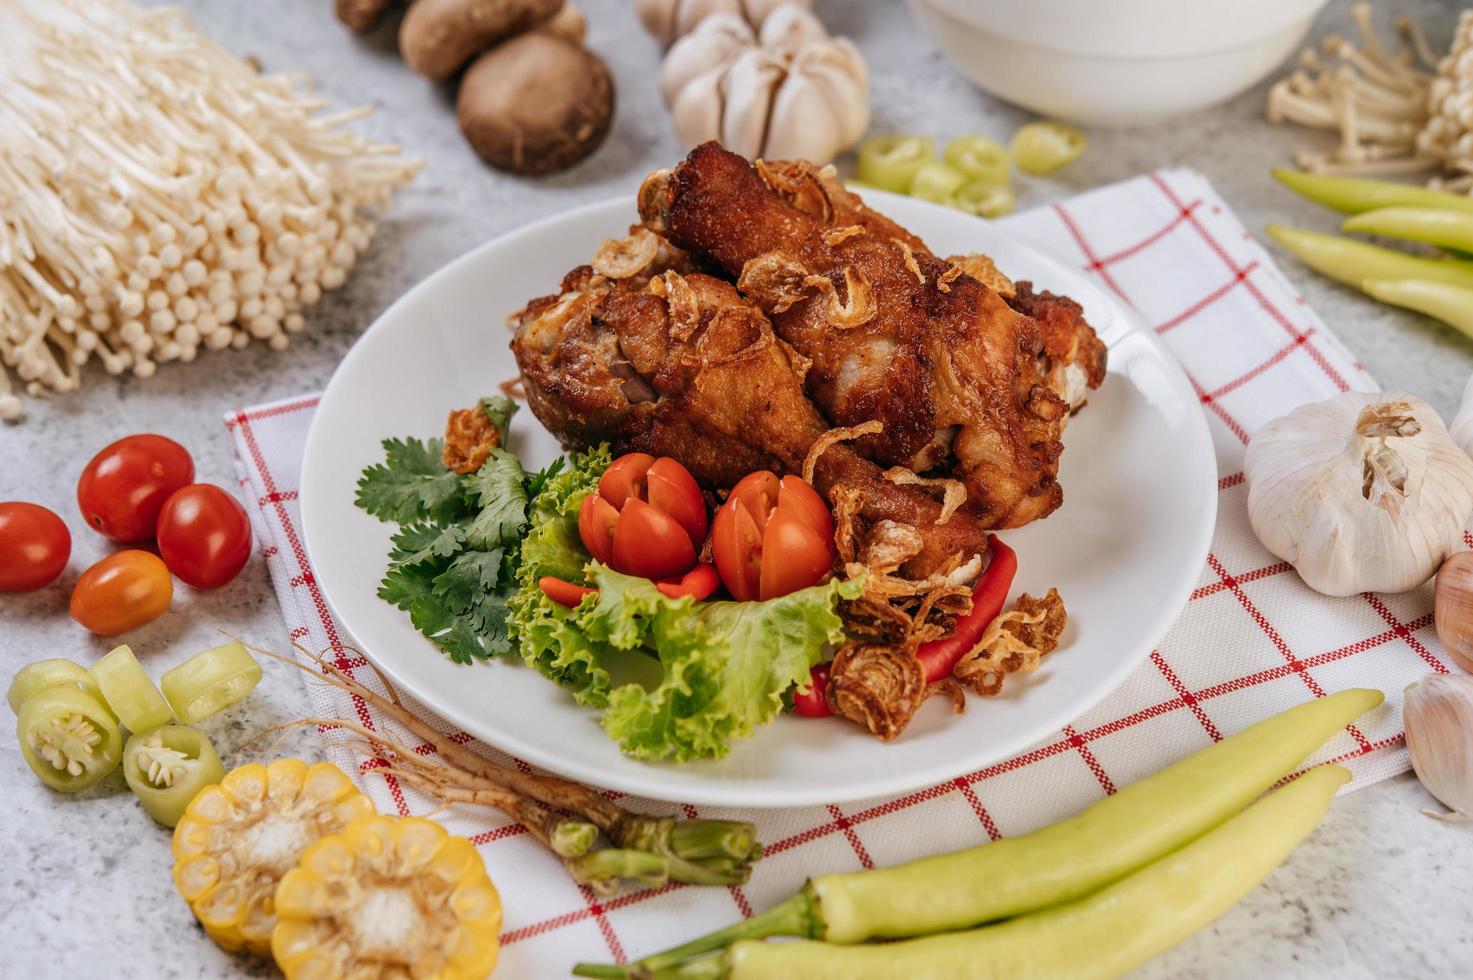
(798, 916)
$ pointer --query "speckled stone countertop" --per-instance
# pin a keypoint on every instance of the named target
(1378, 891)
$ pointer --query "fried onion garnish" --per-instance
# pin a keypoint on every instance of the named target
(890, 545)
(879, 686)
(951, 275)
(1014, 643)
(621, 258)
(680, 299)
(832, 438)
(858, 307)
(774, 279)
(834, 236)
(469, 438)
(514, 388)
(910, 260)
(846, 502)
(955, 492)
(953, 690)
(801, 184)
(981, 268)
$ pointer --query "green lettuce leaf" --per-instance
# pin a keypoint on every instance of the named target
(724, 666)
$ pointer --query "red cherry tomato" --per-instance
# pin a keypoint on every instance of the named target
(124, 487)
(649, 543)
(34, 546)
(122, 592)
(812, 703)
(204, 535)
(772, 537)
(648, 517)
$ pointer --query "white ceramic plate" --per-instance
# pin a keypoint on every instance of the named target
(1125, 550)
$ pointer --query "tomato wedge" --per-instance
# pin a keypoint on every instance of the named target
(772, 537)
(647, 518)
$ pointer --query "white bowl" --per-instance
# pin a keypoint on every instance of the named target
(1116, 62)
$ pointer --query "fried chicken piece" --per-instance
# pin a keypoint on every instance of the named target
(469, 438)
(1073, 357)
(683, 366)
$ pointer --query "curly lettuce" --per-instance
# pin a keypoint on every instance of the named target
(723, 666)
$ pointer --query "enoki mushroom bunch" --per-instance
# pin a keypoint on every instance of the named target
(1396, 111)
(158, 194)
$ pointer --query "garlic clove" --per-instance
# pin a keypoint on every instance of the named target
(803, 126)
(1453, 608)
(750, 86)
(719, 42)
(695, 114)
(1438, 715)
(1461, 429)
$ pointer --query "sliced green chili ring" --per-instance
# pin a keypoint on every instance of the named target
(128, 691)
(935, 181)
(210, 682)
(891, 162)
(69, 738)
(48, 673)
(988, 200)
(1043, 147)
(981, 159)
(167, 767)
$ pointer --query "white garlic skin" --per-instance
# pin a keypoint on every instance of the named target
(1461, 428)
(1453, 608)
(1357, 513)
(1438, 716)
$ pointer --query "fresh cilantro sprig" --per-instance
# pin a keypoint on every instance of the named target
(452, 561)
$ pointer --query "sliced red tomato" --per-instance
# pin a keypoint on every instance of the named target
(124, 487)
(772, 537)
(649, 543)
(648, 517)
(34, 546)
(812, 703)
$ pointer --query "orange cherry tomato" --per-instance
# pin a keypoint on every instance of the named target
(122, 592)
(34, 546)
(596, 520)
(772, 537)
(124, 487)
(649, 543)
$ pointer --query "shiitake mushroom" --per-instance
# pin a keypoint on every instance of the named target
(536, 104)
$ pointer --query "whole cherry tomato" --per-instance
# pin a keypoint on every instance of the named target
(772, 537)
(648, 517)
(204, 535)
(812, 703)
(124, 487)
(122, 592)
(34, 546)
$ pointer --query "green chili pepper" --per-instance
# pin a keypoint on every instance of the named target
(988, 200)
(1452, 305)
(1353, 262)
(210, 682)
(42, 674)
(935, 181)
(891, 162)
(1356, 194)
(1066, 861)
(167, 767)
(69, 738)
(982, 160)
(1043, 147)
(128, 691)
(1450, 229)
(1101, 936)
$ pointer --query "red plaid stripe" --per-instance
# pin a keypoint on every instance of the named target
(1251, 641)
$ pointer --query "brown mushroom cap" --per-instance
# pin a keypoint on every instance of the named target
(438, 36)
(536, 104)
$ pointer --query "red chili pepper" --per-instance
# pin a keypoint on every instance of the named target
(562, 592)
(812, 703)
(699, 583)
(991, 591)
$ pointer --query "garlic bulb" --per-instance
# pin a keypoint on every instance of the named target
(670, 20)
(1453, 608)
(1438, 715)
(1365, 492)
(1462, 428)
(788, 91)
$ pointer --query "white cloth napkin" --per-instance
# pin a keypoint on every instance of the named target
(1252, 641)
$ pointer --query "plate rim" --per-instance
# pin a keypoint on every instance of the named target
(743, 795)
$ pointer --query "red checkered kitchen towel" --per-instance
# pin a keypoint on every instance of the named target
(1252, 641)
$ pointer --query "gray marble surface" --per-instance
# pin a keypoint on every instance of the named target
(1379, 891)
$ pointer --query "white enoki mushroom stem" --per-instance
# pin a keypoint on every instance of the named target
(158, 195)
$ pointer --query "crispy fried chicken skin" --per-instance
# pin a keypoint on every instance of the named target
(954, 374)
(670, 362)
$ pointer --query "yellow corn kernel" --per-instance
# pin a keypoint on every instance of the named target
(238, 839)
(389, 895)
